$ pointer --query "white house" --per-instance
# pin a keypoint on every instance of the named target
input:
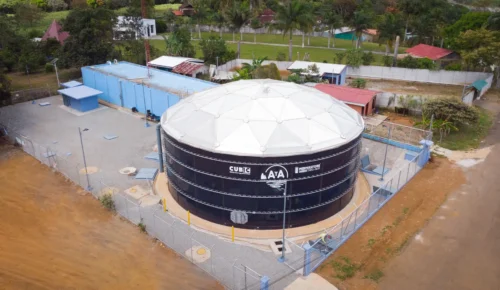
(134, 27)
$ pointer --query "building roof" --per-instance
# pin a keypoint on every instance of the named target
(80, 92)
(55, 31)
(71, 84)
(266, 16)
(166, 61)
(262, 118)
(178, 12)
(187, 68)
(159, 79)
(322, 67)
(346, 94)
(371, 31)
(428, 51)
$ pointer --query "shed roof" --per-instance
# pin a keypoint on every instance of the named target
(167, 61)
(346, 94)
(428, 51)
(187, 68)
(71, 84)
(322, 67)
(80, 92)
(479, 84)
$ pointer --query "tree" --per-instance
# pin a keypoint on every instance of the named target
(219, 20)
(453, 110)
(390, 25)
(134, 51)
(95, 3)
(56, 5)
(213, 48)
(256, 63)
(134, 8)
(332, 21)
(354, 57)
(292, 15)
(470, 21)
(28, 14)
(493, 22)
(363, 19)
(237, 15)
(179, 43)
(4, 89)
(255, 24)
(479, 48)
(91, 36)
(201, 13)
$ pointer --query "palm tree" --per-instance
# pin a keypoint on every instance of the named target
(390, 26)
(332, 20)
(292, 15)
(362, 20)
(237, 15)
(219, 20)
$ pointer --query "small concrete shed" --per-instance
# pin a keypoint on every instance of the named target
(80, 98)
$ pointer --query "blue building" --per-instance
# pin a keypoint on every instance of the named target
(80, 98)
(333, 73)
(128, 85)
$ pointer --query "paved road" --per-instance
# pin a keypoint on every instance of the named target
(460, 246)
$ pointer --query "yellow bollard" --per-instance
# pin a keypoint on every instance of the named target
(189, 218)
(232, 233)
(164, 205)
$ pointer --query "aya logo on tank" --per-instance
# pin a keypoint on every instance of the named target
(274, 172)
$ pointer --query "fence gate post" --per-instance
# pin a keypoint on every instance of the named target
(264, 283)
(307, 259)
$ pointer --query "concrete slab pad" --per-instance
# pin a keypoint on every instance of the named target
(80, 114)
(49, 154)
(198, 254)
(311, 282)
(43, 104)
(110, 136)
(149, 200)
(146, 173)
(137, 192)
(153, 156)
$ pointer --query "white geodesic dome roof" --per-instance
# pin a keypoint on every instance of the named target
(262, 118)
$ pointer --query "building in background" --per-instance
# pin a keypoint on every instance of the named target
(333, 73)
(192, 67)
(348, 33)
(267, 16)
(134, 28)
(132, 86)
(55, 31)
(362, 101)
(433, 53)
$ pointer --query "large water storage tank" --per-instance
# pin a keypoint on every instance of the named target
(232, 154)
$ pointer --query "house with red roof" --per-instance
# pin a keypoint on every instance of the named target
(55, 31)
(362, 101)
(432, 52)
(266, 16)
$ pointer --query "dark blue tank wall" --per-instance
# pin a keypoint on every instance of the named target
(213, 186)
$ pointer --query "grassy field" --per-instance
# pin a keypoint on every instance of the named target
(296, 40)
(467, 137)
(21, 81)
(271, 51)
(159, 9)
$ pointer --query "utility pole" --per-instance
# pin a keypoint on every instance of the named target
(385, 155)
(396, 47)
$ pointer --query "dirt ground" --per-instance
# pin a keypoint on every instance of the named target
(53, 236)
(360, 262)
(399, 119)
(414, 88)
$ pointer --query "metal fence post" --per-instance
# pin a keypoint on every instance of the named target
(307, 260)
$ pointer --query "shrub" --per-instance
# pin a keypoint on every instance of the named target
(142, 226)
(49, 68)
(368, 58)
(214, 47)
(161, 26)
(452, 110)
(388, 60)
(281, 56)
(339, 57)
(358, 83)
(295, 78)
(274, 72)
(454, 66)
(107, 201)
(354, 57)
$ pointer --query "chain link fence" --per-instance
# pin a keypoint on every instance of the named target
(199, 248)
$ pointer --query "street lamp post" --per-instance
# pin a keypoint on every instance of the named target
(84, 160)
(54, 63)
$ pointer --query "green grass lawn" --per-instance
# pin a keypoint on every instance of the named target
(21, 81)
(260, 50)
(296, 40)
(467, 137)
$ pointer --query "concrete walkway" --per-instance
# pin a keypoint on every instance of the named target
(460, 246)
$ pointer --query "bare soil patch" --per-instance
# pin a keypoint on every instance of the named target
(400, 119)
(360, 262)
(414, 88)
(52, 237)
